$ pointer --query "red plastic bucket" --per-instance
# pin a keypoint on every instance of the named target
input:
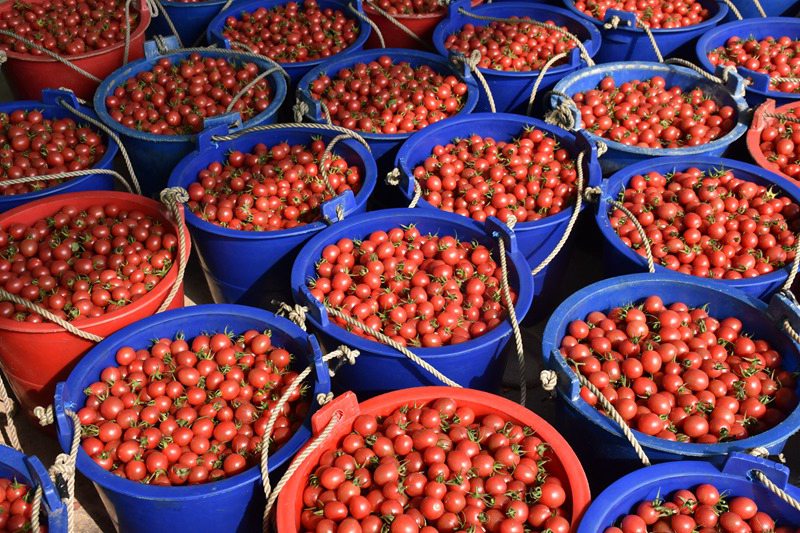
(761, 121)
(421, 25)
(28, 74)
(563, 462)
(35, 357)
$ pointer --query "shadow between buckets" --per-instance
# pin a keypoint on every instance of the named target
(190, 19)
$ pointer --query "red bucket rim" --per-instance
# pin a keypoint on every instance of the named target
(753, 136)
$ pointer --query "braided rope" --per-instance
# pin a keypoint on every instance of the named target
(760, 9)
(613, 24)
(61, 59)
(7, 408)
(417, 194)
(127, 46)
(288, 125)
(549, 380)
(248, 53)
(472, 62)
(238, 96)
(562, 115)
(296, 314)
(734, 9)
(539, 77)
(369, 21)
(645, 241)
(795, 264)
(388, 16)
(782, 117)
(173, 197)
(787, 327)
(36, 510)
(13, 298)
(776, 490)
(3, 57)
(67, 175)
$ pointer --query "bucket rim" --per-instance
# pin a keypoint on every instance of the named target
(150, 207)
(722, 12)
(753, 140)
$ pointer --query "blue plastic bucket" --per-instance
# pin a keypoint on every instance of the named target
(511, 90)
(773, 8)
(759, 28)
(630, 43)
(154, 156)
(29, 470)
(596, 437)
(232, 504)
(189, 18)
(620, 155)
(51, 109)
(621, 259)
(476, 364)
(734, 477)
(535, 239)
(264, 276)
(297, 70)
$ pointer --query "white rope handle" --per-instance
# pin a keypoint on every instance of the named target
(614, 24)
(61, 59)
(472, 62)
(67, 175)
(7, 408)
(639, 229)
(173, 197)
(539, 77)
(402, 27)
(735, 10)
(369, 21)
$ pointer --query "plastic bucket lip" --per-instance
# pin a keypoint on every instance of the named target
(414, 57)
(159, 291)
(418, 145)
(721, 13)
(655, 69)
(385, 219)
(623, 177)
(29, 470)
(144, 22)
(87, 369)
(753, 139)
(564, 314)
(592, 43)
(119, 76)
(761, 27)
(214, 32)
(204, 3)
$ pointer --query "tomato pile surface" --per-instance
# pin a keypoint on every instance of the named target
(419, 290)
(704, 509)
(271, 188)
(64, 26)
(83, 263)
(387, 97)
(173, 99)
(780, 144)
(16, 507)
(511, 46)
(646, 113)
(656, 14)
(190, 411)
(436, 467)
(529, 177)
(674, 372)
(293, 32)
(409, 7)
(777, 57)
(709, 225)
(31, 145)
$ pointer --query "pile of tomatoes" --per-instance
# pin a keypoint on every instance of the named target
(511, 46)
(777, 57)
(385, 96)
(780, 145)
(530, 177)
(83, 263)
(64, 26)
(677, 373)
(409, 7)
(646, 113)
(436, 467)
(293, 32)
(656, 14)
(271, 188)
(173, 99)
(703, 509)
(16, 507)
(190, 411)
(709, 224)
(419, 290)
(33, 145)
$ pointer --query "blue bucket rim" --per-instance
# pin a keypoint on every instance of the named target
(367, 187)
(487, 120)
(702, 47)
(214, 31)
(722, 12)
(396, 217)
(776, 434)
(625, 175)
(29, 469)
(105, 162)
(604, 69)
(592, 44)
(86, 366)
(204, 3)
(119, 76)
(397, 54)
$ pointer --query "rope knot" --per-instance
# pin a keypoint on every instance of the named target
(296, 314)
(45, 415)
(562, 115)
(511, 221)
(343, 354)
(602, 148)
(613, 24)
(324, 399)
(592, 194)
(473, 59)
(174, 196)
(393, 177)
(549, 380)
(759, 451)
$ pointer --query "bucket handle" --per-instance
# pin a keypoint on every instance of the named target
(45, 493)
(156, 48)
(648, 257)
(52, 55)
(614, 17)
(565, 113)
(214, 127)
(358, 11)
(471, 65)
(335, 209)
(744, 464)
(402, 27)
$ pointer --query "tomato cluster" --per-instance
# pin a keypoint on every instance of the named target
(709, 224)
(436, 467)
(656, 14)
(677, 373)
(16, 507)
(646, 113)
(173, 99)
(64, 26)
(777, 57)
(780, 144)
(387, 97)
(419, 290)
(409, 7)
(511, 46)
(31, 145)
(529, 177)
(83, 263)
(190, 411)
(293, 32)
(704, 509)
(271, 188)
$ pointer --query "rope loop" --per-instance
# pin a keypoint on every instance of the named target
(402, 27)
(613, 24)
(472, 61)
(549, 380)
(296, 314)
(393, 177)
(369, 21)
(173, 198)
